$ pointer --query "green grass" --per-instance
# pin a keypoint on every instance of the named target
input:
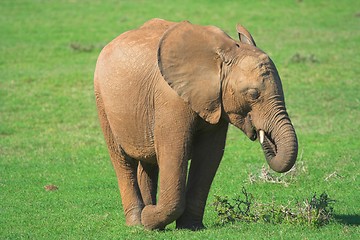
(49, 132)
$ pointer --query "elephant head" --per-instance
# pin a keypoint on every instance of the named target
(233, 80)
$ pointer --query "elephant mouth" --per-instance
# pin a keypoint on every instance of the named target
(249, 129)
(267, 143)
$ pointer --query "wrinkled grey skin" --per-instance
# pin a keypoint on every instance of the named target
(165, 94)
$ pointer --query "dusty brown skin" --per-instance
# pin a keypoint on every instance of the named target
(166, 93)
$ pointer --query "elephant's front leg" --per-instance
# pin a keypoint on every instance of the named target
(172, 144)
(171, 202)
(208, 149)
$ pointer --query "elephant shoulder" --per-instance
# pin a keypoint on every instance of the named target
(131, 49)
(143, 38)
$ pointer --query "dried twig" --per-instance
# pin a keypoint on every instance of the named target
(333, 175)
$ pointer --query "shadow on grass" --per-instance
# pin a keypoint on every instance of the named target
(353, 220)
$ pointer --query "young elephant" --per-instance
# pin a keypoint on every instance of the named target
(165, 94)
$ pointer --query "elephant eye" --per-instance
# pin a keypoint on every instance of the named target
(253, 94)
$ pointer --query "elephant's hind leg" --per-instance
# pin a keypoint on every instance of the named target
(125, 168)
(148, 180)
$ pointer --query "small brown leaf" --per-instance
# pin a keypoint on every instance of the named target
(51, 187)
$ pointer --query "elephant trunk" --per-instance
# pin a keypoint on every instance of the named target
(280, 144)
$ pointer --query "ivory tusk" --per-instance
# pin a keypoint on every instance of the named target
(262, 135)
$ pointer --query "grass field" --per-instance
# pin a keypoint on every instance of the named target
(49, 132)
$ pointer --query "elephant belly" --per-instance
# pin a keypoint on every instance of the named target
(138, 152)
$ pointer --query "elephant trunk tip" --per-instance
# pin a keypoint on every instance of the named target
(281, 152)
(281, 168)
(284, 161)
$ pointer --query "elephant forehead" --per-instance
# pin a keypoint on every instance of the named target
(259, 62)
(253, 72)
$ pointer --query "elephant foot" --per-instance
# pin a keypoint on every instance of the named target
(133, 217)
(190, 221)
(157, 217)
(190, 226)
(150, 218)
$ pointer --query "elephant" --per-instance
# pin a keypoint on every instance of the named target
(166, 94)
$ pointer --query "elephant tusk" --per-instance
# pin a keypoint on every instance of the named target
(262, 135)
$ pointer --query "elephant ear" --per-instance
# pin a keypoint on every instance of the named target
(244, 35)
(190, 59)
